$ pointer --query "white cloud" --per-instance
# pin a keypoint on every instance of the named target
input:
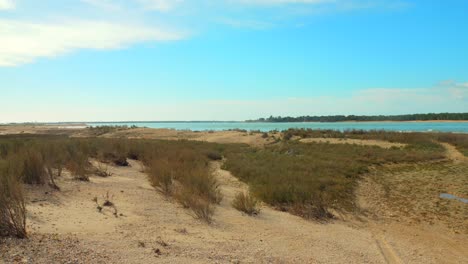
(22, 42)
(7, 4)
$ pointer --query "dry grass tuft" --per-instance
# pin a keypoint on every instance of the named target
(161, 176)
(33, 167)
(246, 203)
(102, 170)
(12, 205)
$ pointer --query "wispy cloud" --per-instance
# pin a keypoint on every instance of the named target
(104, 4)
(6, 4)
(280, 2)
(245, 23)
(160, 5)
(362, 102)
(457, 90)
(22, 42)
(153, 5)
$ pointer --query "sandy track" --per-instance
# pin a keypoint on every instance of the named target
(66, 225)
(150, 222)
(453, 154)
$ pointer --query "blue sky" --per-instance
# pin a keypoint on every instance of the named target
(96, 60)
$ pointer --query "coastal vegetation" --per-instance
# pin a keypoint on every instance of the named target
(342, 118)
(180, 169)
(414, 140)
(311, 180)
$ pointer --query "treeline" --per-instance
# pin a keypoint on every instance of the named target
(342, 118)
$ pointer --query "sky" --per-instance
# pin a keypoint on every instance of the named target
(121, 60)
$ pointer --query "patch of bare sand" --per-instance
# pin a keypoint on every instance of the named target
(41, 129)
(366, 142)
(153, 229)
(253, 139)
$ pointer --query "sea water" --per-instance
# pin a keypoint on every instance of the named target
(265, 126)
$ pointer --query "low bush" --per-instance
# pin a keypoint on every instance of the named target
(246, 203)
(101, 130)
(212, 155)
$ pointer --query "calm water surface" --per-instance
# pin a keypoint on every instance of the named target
(392, 126)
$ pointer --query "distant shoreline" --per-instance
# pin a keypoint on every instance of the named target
(390, 121)
(247, 122)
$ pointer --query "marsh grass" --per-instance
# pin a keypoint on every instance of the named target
(310, 179)
(460, 141)
(414, 140)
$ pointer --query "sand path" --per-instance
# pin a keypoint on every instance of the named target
(453, 153)
(152, 228)
(155, 229)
